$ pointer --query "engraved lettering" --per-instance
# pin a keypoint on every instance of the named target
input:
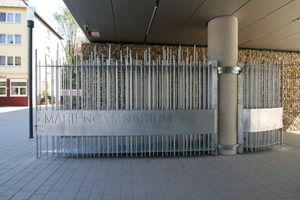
(68, 119)
(87, 118)
(58, 120)
(167, 119)
(97, 118)
(126, 119)
(136, 119)
(144, 118)
(49, 120)
(116, 119)
(106, 117)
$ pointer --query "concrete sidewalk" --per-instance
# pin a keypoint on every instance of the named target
(272, 174)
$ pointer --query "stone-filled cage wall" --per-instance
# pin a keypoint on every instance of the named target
(289, 60)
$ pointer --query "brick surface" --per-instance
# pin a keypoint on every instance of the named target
(272, 174)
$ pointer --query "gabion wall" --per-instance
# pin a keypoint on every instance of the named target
(291, 61)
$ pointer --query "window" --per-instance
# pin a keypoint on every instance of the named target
(2, 88)
(18, 60)
(2, 17)
(2, 39)
(10, 60)
(10, 39)
(10, 17)
(18, 87)
(17, 39)
(18, 17)
(2, 60)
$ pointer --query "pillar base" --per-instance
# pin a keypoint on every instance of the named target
(224, 152)
(227, 150)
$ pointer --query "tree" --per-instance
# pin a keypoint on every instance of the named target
(69, 29)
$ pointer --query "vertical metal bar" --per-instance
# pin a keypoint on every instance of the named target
(174, 86)
(186, 86)
(149, 87)
(204, 87)
(199, 88)
(181, 71)
(70, 90)
(131, 146)
(126, 89)
(117, 88)
(142, 87)
(274, 75)
(130, 88)
(209, 89)
(256, 85)
(136, 86)
(154, 103)
(162, 88)
(174, 145)
(46, 84)
(251, 87)
(107, 88)
(149, 144)
(168, 86)
(269, 86)
(122, 86)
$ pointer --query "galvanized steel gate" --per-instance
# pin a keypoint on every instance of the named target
(260, 106)
(132, 107)
(139, 107)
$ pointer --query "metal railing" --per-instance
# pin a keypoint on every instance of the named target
(263, 88)
(128, 85)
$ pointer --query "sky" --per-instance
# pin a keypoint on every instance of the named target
(46, 9)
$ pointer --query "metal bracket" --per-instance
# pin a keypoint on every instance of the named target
(229, 70)
(228, 146)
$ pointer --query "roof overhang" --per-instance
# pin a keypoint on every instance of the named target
(266, 24)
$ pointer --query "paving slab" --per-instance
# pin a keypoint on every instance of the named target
(271, 174)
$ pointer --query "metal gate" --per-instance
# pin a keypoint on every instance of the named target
(132, 107)
(146, 107)
(260, 106)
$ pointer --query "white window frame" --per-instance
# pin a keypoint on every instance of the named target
(19, 87)
(5, 87)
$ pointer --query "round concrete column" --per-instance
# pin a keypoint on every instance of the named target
(223, 47)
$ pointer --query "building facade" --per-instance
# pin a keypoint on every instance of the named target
(14, 50)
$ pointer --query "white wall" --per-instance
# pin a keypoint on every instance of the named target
(49, 49)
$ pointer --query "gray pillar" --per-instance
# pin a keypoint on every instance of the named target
(223, 46)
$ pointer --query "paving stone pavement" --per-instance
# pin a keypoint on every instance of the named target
(272, 174)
